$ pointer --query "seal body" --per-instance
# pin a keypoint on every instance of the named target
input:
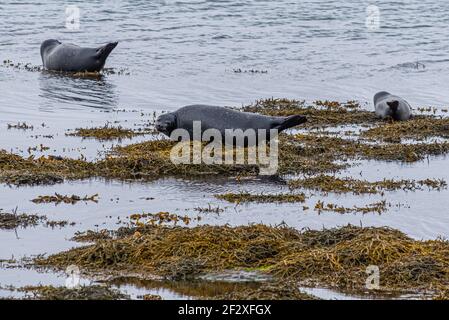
(388, 105)
(223, 120)
(58, 56)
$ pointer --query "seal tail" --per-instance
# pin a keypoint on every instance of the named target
(104, 51)
(290, 122)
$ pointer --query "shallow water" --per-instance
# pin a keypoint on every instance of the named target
(184, 52)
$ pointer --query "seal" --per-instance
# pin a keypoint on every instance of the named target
(388, 105)
(222, 119)
(57, 56)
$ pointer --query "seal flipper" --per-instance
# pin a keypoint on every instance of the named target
(104, 51)
(290, 122)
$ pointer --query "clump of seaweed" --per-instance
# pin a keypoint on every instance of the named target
(144, 161)
(337, 257)
(417, 128)
(39, 148)
(345, 254)
(378, 207)
(159, 218)
(321, 113)
(31, 179)
(261, 198)
(332, 149)
(60, 224)
(107, 132)
(326, 183)
(14, 220)
(151, 159)
(209, 209)
(253, 71)
(151, 297)
(15, 169)
(442, 295)
(92, 236)
(58, 198)
(93, 292)
(157, 249)
(20, 126)
(113, 71)
(22, 66)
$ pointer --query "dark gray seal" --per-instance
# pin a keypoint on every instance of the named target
(388, 105)
(58, 56)
(220, 118)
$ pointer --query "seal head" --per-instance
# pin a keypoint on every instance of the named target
(380, 95)
(166, 123)
(48, 45)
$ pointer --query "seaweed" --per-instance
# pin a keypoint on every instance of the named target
(157, 249)
(378, 207)
(159, 218)
(327, 183)
(333, 149)
(442, 295)
(92, 75)
(319, 114)
(18, 170)
(418, 128)
(92, 236)
(30, 179)
(15, 220)
(107, 133)
(261, 198)
(39, 148)
(337, 257)
(209, 209)
(60, 224)
(253, 71)
(58, 198)
(151, 297)
(21, 126)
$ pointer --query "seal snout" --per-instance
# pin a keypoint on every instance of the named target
(161, 127)
(113, 45)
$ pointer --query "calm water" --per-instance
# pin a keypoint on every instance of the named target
(183, 52)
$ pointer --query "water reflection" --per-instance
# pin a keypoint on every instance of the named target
(60, 91)
(184, 289)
